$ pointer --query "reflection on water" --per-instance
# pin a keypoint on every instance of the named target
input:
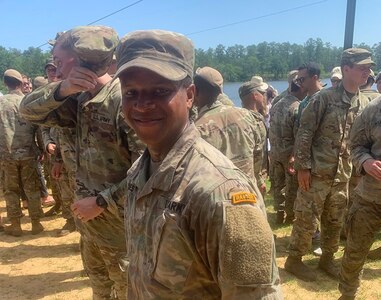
(231, 88)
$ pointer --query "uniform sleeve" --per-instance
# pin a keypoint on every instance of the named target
(309, 123)
(238, 244)
(40, 107)
(46, 137)
(360, 141)
(115, 196)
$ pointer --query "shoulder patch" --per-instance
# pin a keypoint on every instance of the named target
(243, 197)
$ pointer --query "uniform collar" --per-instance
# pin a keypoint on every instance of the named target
(162, 179)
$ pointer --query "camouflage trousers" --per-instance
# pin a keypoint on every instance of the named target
(21, 175)
(325, 201)
(353, 182)
(102, 247)
(363, 223)
(284, 189)
(66, 190)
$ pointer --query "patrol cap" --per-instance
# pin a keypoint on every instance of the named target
(169, 54)
(253, 85)
(259, 84)
(50, 62)
(53, 41)
(358, 56)
(212, 76)
(39, 81)
(336, 73)
(94, 46)
(14, 74)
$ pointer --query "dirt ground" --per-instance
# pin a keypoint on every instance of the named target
(48, 267)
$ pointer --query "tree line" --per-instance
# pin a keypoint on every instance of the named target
(271, 60)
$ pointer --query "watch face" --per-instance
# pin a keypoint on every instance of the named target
(101, 202)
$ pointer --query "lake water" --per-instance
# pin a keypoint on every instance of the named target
(231, 88)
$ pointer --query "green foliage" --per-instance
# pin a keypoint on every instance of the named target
(273, 60)
(30, 62)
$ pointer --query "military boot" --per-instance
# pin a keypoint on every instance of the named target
(15, 228)
(294, 265)
(375, 254)
(327, 265)
(280, 216)
(37, 227)
(67, 228)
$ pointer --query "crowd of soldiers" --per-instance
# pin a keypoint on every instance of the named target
(165, 178)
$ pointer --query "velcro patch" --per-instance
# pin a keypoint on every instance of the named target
(243, 197)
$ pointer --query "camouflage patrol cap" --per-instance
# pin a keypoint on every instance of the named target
(259, 84)
(94, 46)
(253, 85)
(13, 74)
(358, 56)
(336, 73)
(212, 76)
(39, 81)
(50, 62)
(169, 54)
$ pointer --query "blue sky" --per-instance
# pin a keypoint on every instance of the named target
(31, 23)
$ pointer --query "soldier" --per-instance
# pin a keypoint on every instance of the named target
(230, 129)
(19, 153)
(364, 220)
(323, 165)
(192, 218)
(252, 94)
(308, 78)
(367, 90)
(336, 76)
(290, 77)
(90, 101)
(283, 128)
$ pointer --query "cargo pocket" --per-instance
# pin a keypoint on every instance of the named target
(173, 254)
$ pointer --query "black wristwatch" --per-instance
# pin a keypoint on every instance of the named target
(101, 202)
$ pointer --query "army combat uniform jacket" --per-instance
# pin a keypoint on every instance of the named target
(283, 128)
(365, 143)
(322, 139)
(105, 145)
(231, 130)
(185, 225)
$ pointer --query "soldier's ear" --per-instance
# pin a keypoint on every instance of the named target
(190, 95)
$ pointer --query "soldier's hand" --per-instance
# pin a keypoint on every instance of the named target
(373, 168)
(51, 148)
(304, 179)
(56, 170)
(86, 209)
(79, 80)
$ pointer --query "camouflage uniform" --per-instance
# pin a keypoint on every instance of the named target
(321, 146)
(66, 156)
(231, 130)
(18, 152)
(364, 220)
(260, 148)
(282, 134)
(224, 99)
(63, 189)
(105, 149)
(184, 232)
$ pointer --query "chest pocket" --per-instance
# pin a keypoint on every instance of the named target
(172, 253)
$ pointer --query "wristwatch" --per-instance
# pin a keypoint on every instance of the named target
(101, 202)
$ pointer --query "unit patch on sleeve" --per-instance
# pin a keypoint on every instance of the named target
(243, 197)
